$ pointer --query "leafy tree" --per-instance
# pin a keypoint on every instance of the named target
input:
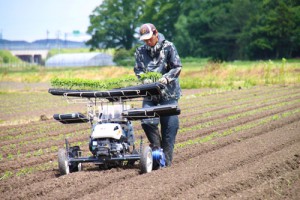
(163, 14)
(220, 29)
(234, 29)
(272, 32)
(185, 44)
(213, 28)
(113, 24)
(295, 39)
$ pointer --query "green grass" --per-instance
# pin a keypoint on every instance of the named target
(79, 50)
(196, 73)
(240, 74)
(6, 57)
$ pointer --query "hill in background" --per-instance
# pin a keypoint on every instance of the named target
(40, 44)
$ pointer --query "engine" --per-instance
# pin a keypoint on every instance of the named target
(111, 139)
(108, 147)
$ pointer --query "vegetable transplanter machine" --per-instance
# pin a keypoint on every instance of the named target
(112, 141)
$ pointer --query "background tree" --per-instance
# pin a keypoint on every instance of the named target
(186, 45)
(272, 31)
(296, 31)
(219, 29)
(163, 14)
(212, 28)
(113, 24)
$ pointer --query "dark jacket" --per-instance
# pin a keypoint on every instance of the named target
(162, 58)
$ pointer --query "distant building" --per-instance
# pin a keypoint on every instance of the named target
(31, 56)
(40, 44)
(80, 60)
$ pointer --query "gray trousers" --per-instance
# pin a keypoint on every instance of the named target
(169, 127)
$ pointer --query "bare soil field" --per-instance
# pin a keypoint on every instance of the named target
(239, 144)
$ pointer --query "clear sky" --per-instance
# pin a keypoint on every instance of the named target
(31, 20)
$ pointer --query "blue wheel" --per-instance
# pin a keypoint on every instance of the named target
(159, 159)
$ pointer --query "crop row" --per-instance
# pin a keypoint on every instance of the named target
(202, 122)
(236, 129)
(43, 130)
(28, 170)
(13, 147)
(18, 132)
(234, 105)
(238, 108)
(233, 117)
(185, 128)
(19, 129)
(28, 99)
(274, 117)
(199, 140)
(235, 97)
(38, 148)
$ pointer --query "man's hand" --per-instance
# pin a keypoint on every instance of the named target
(147, 81)
(163, 80)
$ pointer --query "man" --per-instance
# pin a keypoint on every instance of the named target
(160, 55)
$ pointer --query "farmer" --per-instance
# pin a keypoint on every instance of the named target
(159, 55)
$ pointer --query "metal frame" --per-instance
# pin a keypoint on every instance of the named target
(109, 97)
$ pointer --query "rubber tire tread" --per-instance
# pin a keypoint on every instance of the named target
(61, 162)
(143, 160)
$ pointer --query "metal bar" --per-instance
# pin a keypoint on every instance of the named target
(100, 160)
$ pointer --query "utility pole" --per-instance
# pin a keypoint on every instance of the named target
(66, 35)
(47, 33)
(57, 40)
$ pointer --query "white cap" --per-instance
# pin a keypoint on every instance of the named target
(146, 31)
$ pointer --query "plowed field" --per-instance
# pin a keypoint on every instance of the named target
(241, 144)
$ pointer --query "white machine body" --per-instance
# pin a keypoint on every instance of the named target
(107, 130)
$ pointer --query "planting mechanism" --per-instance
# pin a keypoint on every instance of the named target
(112, 140)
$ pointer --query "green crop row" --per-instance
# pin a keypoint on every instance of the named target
(268, 105)
(61, 136)
(29, 154)
(232, 117)
(39, 130)
(28, 170)
(207, 103)
(236, 129)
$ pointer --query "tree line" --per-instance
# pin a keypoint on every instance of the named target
(219, 29)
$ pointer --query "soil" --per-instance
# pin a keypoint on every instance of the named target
(252, 151)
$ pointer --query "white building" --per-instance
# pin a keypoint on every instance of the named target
(80, 60)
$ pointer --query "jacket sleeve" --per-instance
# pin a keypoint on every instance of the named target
(174, 64)
(139, 67)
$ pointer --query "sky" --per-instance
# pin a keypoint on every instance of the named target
(31, 20)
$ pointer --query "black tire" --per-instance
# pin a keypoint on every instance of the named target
(73, 153)
(146, 160)
(63, 163)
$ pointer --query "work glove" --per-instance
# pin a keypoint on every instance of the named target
(147, 81)
(163, 80)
